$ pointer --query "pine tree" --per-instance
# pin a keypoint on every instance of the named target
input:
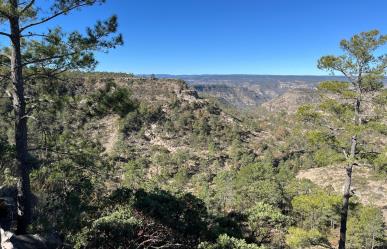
(349, 106)
(33, 55)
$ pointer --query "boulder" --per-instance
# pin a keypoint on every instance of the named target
(28, 241)
(12, 241)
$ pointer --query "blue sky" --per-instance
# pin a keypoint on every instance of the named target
(229, 36)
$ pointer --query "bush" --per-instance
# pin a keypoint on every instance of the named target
(111, 99)
(115, 230)
(366, 229)
(317, 211)
(299, 238)
(226, 242)
(264, 221)
(135, 171)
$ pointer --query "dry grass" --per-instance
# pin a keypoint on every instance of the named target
(368, 189)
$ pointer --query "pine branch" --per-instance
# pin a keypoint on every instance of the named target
(27, 6)
(44, 20)
(34, 34)
(48, 58)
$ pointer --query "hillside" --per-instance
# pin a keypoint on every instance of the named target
(128, 159)
(369, 190)
(193, 131)
(291, 100)
(173, 122)
(155, 157)
(245, 91)
(251, 91)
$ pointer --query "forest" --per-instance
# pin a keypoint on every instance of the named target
(104, 160)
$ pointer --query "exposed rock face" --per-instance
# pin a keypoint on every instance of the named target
(29, 241)
(249, 91)
(12, 241)
(238, 96)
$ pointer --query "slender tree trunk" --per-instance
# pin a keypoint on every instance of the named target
(19, 105)
(345, 207)
(348, 180)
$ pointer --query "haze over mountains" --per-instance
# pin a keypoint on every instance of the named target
(251, 90)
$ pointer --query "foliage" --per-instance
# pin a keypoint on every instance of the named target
(348, 107)
(184, 213)
(6, 159)
(115, 230)
(265, 222)
(366, 229)
(226, 242)
(256, 182)
(194, 174)
(344, 100)
(317, 211)
(136, 219)
(111, 98)
(134, 173)
(300, 238)
(142, 114)
(69, 187)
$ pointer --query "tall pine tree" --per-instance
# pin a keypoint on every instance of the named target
(33, 55)
(349, 108)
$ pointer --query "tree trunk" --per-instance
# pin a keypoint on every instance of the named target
(348, 179)
(344, 209)
(19, 105)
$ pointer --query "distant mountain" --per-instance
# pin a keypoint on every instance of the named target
(249, 90)
(242, 79)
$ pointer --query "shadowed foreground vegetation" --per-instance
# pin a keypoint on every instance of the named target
(104, 160)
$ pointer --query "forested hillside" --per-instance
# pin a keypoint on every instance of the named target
(96, 160)
(120, 164)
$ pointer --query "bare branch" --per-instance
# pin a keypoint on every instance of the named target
(34, 34)
(5, 34)
(29, 116)
(53, 74)
(47, 59)
(75, 6)
(350, 77)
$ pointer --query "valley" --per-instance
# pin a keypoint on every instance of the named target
(249, 90)
(98, 151)
(162, 139)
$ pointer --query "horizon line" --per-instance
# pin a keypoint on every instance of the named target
(235, 74)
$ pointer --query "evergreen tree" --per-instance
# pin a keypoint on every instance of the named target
(345, 112)
(34, 56)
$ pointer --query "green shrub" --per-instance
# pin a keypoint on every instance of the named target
(226, 242)
(265, 221)
(298, 238)
(114, 230)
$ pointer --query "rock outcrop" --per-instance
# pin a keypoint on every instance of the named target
(28, 241)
